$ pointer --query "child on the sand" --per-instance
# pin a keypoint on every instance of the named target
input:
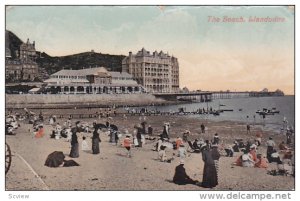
(127, 145)
(84, 145)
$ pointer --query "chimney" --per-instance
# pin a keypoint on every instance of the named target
(130, 54)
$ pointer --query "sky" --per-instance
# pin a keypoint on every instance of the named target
(236, 56)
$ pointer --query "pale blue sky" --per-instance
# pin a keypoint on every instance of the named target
(232, 52)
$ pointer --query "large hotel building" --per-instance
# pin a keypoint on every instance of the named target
(24, 67)
(157, 72)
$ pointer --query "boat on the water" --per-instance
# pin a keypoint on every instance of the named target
(266, 111)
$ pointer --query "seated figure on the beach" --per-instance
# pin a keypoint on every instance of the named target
(185, 136)
(262, 161)
(253, 152)
(282, 146)
(40, 131)
(270, 148)
(274, 157)
(181, 177)
(178, 142)
(288, 162)
(162, 156)
(216, 139)
(238, 161)
(247, 160)
(229, 151)
(258, 138)
(288, 155)
(58, 131)
(206, 145)
(196, 146)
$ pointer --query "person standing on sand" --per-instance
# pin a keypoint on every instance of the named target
(210, 178)
(96, 140)
(166, 131)
(248, 128)
(84, 145)
(288, 137)
(143, 124)
(216, 156)
(182, 153)
(139, 135)
(127, 145)
(51, 121)
(202, 128)
(74, 153)
(150, 130)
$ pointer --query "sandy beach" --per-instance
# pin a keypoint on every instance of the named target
(113, 170)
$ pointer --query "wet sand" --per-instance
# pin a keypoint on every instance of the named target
(112, 170)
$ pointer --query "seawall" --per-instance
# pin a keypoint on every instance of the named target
(78, 100)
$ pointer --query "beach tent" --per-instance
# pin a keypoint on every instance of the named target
(55, 159)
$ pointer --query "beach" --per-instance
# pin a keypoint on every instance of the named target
(113, 170)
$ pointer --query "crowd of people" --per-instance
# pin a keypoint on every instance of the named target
(167, 148)
(252, 156)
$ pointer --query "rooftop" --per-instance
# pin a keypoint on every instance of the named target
(91, 71)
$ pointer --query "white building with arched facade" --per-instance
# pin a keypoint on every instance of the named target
(92, 81)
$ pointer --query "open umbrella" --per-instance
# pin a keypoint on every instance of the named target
(100, 126)
(55, 159)
(113, 127)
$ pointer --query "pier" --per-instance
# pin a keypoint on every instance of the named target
(186, 96)
(229, 94)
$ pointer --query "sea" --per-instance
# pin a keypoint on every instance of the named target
(244, 110)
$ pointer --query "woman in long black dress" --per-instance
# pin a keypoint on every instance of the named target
(74, 153)
(215, 156)
(96, 140)
(210, 178)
